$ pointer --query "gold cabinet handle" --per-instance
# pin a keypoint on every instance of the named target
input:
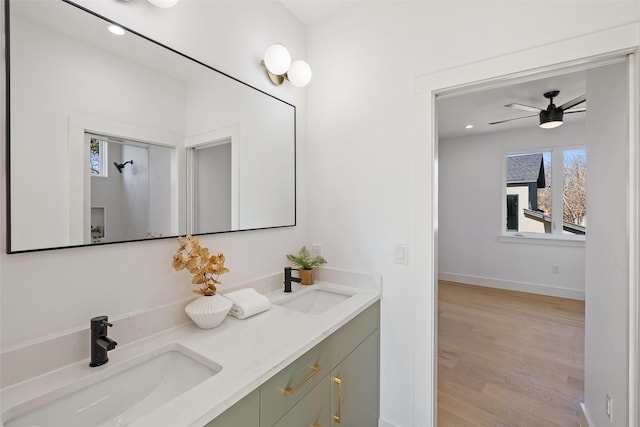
(338, 418)
(316, 425)
(290, 390)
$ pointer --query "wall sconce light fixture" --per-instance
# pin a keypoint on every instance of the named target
(164, 3)
(277, 61)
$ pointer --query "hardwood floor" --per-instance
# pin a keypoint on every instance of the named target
(508, 358)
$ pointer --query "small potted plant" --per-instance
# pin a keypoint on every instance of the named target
(96, 234)
(210, 309)
(306, 263)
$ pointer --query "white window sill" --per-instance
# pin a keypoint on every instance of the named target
(544, 239)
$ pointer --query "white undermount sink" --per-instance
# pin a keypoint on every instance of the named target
(313, 300)
(118, 395)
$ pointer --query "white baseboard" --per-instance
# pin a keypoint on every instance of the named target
(532, 288)
(585, 421)
(383, 423)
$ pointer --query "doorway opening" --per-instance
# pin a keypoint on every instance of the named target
(432, 86)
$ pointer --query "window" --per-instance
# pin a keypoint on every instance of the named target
(98, 156)
(574, 191)
(530, 193)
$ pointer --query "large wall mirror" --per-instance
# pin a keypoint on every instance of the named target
(115, 138)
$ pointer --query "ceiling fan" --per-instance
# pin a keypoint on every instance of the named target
(552, 116)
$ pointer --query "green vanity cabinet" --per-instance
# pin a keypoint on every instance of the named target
(245, 413)
(282, 391)
(347, 338)
(313, 409)
(336, 383)
(355, 385)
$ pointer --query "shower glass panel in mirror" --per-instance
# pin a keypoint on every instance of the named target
(119, 138)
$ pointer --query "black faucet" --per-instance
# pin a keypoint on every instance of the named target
(100, 342)
(288, 279)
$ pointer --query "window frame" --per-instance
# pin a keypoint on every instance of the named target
(556, 237)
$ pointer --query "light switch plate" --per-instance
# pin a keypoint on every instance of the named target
(401, 253)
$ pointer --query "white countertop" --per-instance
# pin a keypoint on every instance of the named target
(250, 352)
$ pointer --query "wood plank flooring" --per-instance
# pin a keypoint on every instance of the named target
(508, 358)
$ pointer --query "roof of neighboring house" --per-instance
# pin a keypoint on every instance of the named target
(566, 226)
(526, 168)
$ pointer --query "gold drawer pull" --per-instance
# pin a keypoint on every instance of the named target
(338, 418)
(316, 425)
(290, 390)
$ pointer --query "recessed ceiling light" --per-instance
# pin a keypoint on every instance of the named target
(468, 127)
(116, 30)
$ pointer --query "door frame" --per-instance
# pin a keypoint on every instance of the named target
(578, 51)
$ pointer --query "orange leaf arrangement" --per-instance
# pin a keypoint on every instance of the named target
(205, 267)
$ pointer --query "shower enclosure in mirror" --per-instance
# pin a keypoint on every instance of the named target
(130, 190)
(119, 138)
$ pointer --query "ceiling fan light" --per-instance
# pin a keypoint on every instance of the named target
(551, 125)
(551, 118)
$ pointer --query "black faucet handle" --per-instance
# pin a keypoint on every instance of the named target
(100, 323)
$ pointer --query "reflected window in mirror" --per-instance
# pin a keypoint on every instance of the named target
(98, 157)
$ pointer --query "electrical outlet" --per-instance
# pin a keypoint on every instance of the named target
(316, 249)
(609, 408)
(555, 269)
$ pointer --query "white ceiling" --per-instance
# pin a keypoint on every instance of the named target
(482, 107)
(312, 11)
(478, 108)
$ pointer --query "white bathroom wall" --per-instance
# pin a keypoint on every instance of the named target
(44, 293)
(470, 219)
(606, 253)
(363, 142)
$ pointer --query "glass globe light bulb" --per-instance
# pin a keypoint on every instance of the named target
(277, 59)
(299, 73)
(164, 3)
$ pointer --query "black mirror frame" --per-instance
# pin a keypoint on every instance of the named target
(7, 40)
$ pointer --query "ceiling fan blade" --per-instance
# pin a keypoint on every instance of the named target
(576, 110)
(509, 120)
(524, 107)
(575, 101)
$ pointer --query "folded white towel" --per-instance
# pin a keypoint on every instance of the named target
(247, 302)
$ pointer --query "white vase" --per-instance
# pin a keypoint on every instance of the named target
(208, 311)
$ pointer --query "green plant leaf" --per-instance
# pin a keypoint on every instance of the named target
(304, 259)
